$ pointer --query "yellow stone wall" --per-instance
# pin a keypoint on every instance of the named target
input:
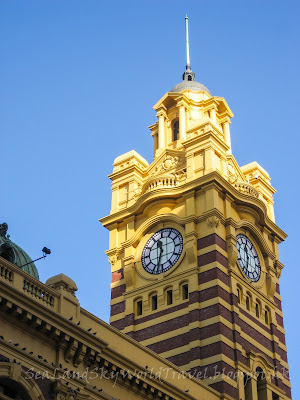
(195, 185)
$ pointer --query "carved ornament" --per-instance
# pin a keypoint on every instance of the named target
(169, 162)
(213, 221)
(232, 173)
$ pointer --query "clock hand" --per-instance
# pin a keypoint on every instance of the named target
(159, 244)
(246, 251)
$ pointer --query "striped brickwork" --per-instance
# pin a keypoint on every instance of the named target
(210, 334)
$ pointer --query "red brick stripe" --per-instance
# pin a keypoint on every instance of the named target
(254, 334)
(117, 275)
(224, 387)
(163, 327)
(255, 320)
(212, 292)
(217, 348)
(214, 370)
(279, 320)
(166, 311)
(211, 274)
(278, 303)
(117, 291)
(194, 334)
(212, 256)
(211, 239)
(171, 343)
(117, 308)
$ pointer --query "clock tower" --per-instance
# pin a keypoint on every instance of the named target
(193, 250)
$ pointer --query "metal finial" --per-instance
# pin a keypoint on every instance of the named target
(188, 65)
(188, 75)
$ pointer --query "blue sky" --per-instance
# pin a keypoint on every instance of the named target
(78, 82)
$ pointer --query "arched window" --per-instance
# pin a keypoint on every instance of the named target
(267, 316)
(169, 297)
(261, 384)
(13, 389)
(248, 302)
(239, 295)
(258, 308)
(175, 129)
(154, 302)
(185, 291)
(139, 307)
(247, 387)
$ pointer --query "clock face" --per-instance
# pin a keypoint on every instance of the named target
(248, 258)
(162, 251)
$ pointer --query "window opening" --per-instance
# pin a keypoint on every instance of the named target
(154, 302)
(247, 387)
(185, 292)
(169, 297)
(139, 307)
(257, 310)
(248, 303)
(267, 317)
(261, 384)
(176, 131)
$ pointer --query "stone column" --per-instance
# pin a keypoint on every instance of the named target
(226, 130)
(161, 129)
(182, 123)
(155, 140)
(213, 116)
(241, 386)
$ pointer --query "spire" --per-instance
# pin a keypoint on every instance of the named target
(188, 75)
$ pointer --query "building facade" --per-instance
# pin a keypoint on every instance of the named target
(194, 251)
(52, 349)
(195, 300)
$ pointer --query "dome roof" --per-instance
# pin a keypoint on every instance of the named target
(191, 85)
(14, 254)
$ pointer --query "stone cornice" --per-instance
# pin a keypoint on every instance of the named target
(199, 183)
(109, 359)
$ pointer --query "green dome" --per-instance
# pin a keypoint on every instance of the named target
(14, 254)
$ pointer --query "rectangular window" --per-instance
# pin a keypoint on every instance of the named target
(185, 292)
(154, 302)
(169, 297)
(139, 307)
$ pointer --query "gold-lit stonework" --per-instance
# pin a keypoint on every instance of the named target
(204, 314)
(190, 319)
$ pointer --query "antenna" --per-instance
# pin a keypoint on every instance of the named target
(188, 64)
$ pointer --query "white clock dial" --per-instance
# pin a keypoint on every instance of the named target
(162, 251)
(248, 258)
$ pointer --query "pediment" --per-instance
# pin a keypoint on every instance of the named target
(169, 162)
(234, 171)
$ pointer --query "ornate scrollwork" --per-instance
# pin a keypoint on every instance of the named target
(168, 163)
